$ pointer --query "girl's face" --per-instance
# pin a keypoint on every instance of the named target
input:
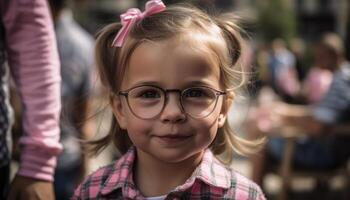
(172, 136)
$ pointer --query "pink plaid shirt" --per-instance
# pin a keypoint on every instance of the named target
(210, 180)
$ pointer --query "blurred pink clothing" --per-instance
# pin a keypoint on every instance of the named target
(33, 60)
(317, 83)
(288, 81)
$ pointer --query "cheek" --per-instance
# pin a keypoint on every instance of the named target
(212, 122)
(206, 133)
(137, 131)
(137, 128)
(207, 126)
(212, 130)
(136, 125)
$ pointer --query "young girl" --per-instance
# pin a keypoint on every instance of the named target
(170, 73)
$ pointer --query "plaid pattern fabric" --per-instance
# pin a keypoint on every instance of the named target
(4, 110)
(4, 126)
(210, 180)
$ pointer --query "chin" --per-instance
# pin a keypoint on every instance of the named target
(176, 156)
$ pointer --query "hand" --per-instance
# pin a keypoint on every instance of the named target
(30, 189)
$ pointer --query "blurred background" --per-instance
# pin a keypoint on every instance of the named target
(289, 56)
(266, 20)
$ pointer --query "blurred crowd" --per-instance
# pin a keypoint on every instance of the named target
(302, 106)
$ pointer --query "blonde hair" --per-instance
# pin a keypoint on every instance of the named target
(222, 40)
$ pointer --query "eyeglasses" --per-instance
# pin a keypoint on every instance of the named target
(148, 101)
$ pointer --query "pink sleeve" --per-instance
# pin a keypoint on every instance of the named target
(33, 60)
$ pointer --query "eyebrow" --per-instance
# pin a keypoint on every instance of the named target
(186, 85)
(140, 83)
(199, 83)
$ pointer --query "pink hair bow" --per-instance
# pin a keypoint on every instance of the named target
(129, 18)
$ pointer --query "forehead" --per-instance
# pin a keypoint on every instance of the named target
(173, 59)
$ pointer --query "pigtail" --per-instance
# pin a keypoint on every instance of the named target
(231, 31)
(106, 55)
(228, 24)
(226, 141)
(232, 73)
(107, 63)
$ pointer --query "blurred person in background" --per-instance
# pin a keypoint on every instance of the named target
(282, 71)
(28, 54)
(326, 54)
(298, 49)
(75, 47)
(319, 118)
(329, 105)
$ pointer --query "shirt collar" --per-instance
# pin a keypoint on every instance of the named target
(210, 171)
(121, 176)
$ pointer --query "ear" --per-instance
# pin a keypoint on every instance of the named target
(228, 100)
(118, 111)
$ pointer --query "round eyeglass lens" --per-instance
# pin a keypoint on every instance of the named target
(146, 101)
(199, 101)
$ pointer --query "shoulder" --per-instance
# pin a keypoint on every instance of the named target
(344, 71)
(73, 39)
(336, 102)
(93, 183)
(243, 188)
(232, 184)
(75, 42)
(107, 179)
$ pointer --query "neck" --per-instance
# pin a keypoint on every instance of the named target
(155, 177)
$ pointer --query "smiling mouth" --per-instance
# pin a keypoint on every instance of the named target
(174, 138)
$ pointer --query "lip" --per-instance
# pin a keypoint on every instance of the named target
(173, 139)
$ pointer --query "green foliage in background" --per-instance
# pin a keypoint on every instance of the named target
(276, 19)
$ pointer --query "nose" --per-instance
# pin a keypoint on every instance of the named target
(173, 111)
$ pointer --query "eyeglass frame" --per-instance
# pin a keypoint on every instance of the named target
(125, 93)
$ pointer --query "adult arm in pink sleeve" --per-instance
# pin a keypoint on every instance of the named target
(34, 63)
